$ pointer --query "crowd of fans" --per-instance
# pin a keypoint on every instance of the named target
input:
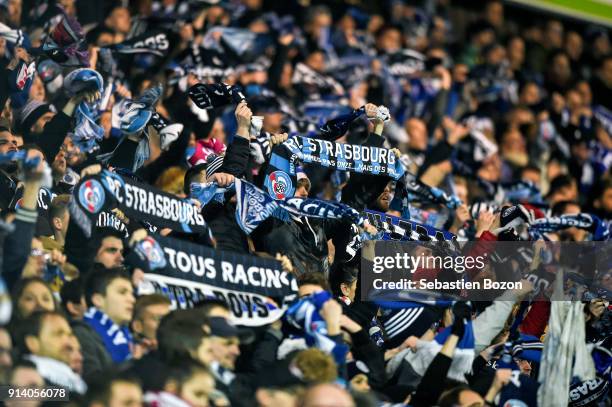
(495, 114)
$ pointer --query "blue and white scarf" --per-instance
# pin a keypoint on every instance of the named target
(87, 132)
(591, 223)
(395, 228)
(281, 172)
(255, 206)
(305, 316)
(604, 116)
(117, 339)
(420, 192)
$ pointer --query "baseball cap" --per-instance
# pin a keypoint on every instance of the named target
(220, 327)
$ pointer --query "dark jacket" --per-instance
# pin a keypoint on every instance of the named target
(304, 241)
(365, 350)
(8, 187)
(16, 248)
(151, 370)
(222, 217)
(95, 356)
(241, 390)
(362, 190)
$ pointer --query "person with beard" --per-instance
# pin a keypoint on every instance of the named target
(40, 122)
(45, 338)
(8, 181)
(363, 190)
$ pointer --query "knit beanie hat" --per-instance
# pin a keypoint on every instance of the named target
(31, 112)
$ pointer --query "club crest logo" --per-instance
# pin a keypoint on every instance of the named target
(279, 185)
(91, 195)
(153, 252)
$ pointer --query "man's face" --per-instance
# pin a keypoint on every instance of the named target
(225, 351)
(125, 394)
(54, 339)
(58, 167)
(390, 41)
(606, 200)
(72, 154)
(14, 10)
(196, 390)
(204, 353)
(38, 127)
(150, 318)
(384, 199)
(118, 303)
(75, 356)
(531, 175)
(272, 121)
(417, 133)
(8, 142)
(25, 377)
(120, 20)
(567, 193)
(110, 253)
(316, 61)
(62, 223)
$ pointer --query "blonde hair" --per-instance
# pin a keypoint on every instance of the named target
(316, 366)
(171, 180)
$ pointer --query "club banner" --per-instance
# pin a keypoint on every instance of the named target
(255, 288)
(281, 176)
(110, 220)
(395, 228)
(138, 201)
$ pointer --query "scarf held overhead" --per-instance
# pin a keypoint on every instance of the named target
(187, 273)
(136, 200)
(255, 206)
(281, 175)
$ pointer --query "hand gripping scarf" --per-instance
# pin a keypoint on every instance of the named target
(305, 316)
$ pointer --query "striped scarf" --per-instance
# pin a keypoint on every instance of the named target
(281, 173)
(255, 206)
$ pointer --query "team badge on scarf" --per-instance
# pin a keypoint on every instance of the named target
(279, 184)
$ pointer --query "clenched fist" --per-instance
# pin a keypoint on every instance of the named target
(243, 118)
